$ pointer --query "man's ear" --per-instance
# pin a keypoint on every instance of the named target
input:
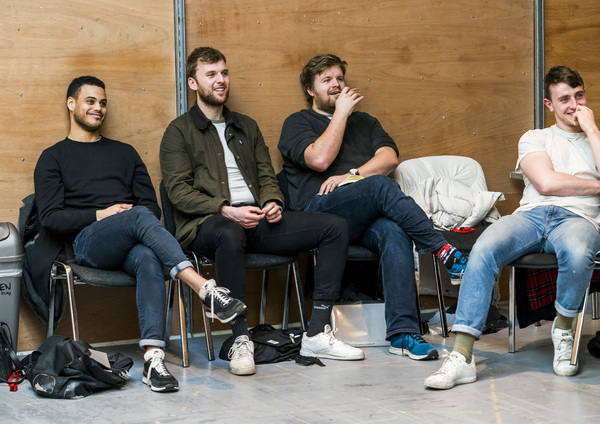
(71, 104)
(548, 104)
(192, 83)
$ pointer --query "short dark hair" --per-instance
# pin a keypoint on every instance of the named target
(316, 66)
(77, 83)
(202, 54)
(559, 74)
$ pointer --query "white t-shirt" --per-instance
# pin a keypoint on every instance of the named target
(570, 154)
(238, 188)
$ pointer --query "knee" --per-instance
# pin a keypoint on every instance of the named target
(144, 256)
(335, 226)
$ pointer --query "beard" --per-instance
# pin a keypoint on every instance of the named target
(209, 98)
(325, 104)
(81, 120)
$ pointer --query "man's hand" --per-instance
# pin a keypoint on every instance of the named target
(272, 212)
(331, 183)
(584, 117)
(347, 100)
(112, 210)
(246, 216)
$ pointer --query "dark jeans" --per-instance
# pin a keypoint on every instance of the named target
(135, 242)
(382, 218)
(227, 242)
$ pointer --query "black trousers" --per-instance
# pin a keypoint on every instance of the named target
(227, 242)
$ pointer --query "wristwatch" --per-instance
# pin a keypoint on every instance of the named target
(354, 171)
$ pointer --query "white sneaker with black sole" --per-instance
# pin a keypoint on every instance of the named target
(218, 304)
(563, 348)
(156, 374)
(241, 356)
(326, 345)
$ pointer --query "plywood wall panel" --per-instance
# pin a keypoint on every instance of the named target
(571, 34)
(442, 77)
(129, 45)
(45, 44)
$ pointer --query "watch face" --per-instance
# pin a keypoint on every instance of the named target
(354, 171)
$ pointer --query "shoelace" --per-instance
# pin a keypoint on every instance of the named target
(242, 350)
(450, 362)
(220, 293)
(564, 351)
(157, 364)
(331, 336)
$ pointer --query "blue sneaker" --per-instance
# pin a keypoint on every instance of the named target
(413, 346)
(457, 269)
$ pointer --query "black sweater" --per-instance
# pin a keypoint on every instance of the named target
(73, 180)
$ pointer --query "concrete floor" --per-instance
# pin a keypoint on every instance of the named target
(512, 388)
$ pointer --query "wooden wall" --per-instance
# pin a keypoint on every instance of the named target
(127, 44)
(572, 30)
(442, 77)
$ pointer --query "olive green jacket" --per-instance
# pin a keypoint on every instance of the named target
(194, 172)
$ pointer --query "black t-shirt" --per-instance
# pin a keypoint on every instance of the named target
(363, 136)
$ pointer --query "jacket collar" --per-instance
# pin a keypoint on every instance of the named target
(201, 121)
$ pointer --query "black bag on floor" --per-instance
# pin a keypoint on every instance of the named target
(66, 369)
(11, 368)
(270, 344)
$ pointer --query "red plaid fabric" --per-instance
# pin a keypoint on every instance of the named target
(540, 286)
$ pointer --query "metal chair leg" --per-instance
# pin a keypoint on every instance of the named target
(595, 310)
(578, 330)
(511, 310)
(182, 324)
(210, 350)
(299, 295)
(440, 295)
(263, 297)
(169, 310)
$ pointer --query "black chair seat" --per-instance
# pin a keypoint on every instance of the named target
(101, 277)
(357, 252)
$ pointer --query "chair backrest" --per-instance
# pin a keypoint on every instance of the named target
(167, 209)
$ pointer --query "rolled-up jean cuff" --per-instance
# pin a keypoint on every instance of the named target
(179, 267)
(144, 343)
(569, 313)
(458, 328)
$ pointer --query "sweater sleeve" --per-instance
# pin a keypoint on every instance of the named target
(142, 188)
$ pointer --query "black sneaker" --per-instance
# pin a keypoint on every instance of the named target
(218, 304)
(156, 374)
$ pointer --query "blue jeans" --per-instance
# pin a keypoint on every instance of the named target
(383, 219)
(135, 242)
(544, 229)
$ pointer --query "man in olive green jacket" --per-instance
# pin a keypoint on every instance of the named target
(218, 175)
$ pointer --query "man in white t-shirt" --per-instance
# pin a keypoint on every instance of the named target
(559, 213)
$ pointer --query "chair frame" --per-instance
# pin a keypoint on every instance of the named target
(546, 261)
(63, 271)
(185, 293)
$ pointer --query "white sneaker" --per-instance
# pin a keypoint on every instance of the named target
(241, 356)
(326, 345)
(454, 370)
(563, 348)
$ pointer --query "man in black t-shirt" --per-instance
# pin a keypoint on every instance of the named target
(97, 194)
(337, 161)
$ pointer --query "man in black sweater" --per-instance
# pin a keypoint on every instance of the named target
(97, 194)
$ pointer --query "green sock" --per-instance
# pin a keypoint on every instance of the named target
(564, 323)
(464, 345)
